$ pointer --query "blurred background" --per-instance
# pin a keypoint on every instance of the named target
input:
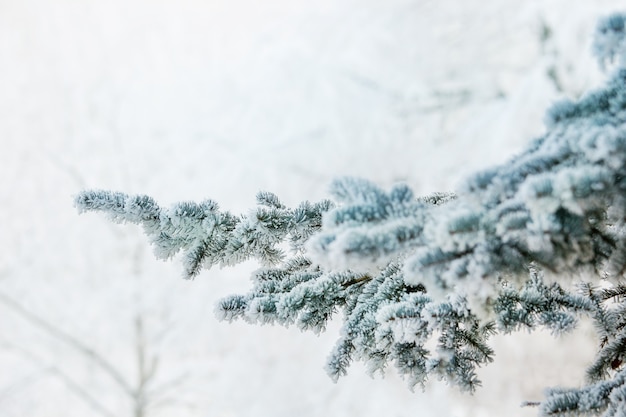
(190, 99)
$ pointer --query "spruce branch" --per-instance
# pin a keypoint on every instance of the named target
(423, 282)
(206, 235)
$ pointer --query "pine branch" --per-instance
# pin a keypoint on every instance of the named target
(206, 235)
(405, 270)
(605, 397)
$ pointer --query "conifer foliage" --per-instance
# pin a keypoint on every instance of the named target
(423, 282)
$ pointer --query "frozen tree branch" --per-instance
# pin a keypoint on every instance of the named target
(423, 282)
(208, 236)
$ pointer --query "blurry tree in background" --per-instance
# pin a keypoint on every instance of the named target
(136, 390)
(141, 389)
(422, 283)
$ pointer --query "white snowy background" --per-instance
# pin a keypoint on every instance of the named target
(190, 99)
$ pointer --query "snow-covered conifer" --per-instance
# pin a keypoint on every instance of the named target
(423, 282)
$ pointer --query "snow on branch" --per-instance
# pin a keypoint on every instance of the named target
(610, 39)
(423, 282)
(206, 235)
(559, 205)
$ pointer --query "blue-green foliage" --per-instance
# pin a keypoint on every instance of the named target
(423, 282)
(606, 398)
(556, 205)
(610, 42)
(208, 236)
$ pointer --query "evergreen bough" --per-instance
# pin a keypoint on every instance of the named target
(422, 283)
